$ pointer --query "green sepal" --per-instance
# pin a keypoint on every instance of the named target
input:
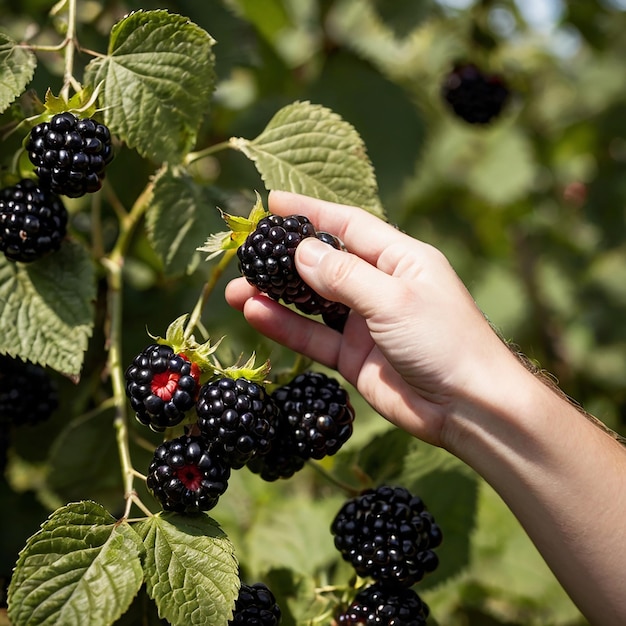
(247, 370)
(239, 228)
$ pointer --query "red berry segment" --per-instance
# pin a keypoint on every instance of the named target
(70, 154)
(266, 260)
(256, 605)
(388, 534)
(33, 221)
(187, 476)
(162, 386)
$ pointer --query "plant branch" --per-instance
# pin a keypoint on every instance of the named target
(68, 75)
(201, 154)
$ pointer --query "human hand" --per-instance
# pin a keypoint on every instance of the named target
(415, 345)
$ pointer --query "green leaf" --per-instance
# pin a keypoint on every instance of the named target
(82, 566)
(46, 308)
(180, 215)
(17, 66)
(158, 77)
(309, 149)
(190, 568)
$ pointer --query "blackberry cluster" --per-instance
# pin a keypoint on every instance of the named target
(187, 476)
(33, 221)
(315, 419)
(387, 533)
(474, 96)
(238, 417)
(381, 605)
(162, 386)
(70, 154)
(266, 260)
(255, 606)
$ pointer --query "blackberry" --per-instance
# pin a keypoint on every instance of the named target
(27, 393)
(266, 259)
(70, 154)
(317, 412)
(388, 534)
(238, 417)
(33, 221)
(162, 386)
(382, 605)
(187, 476)
(255, 606)
(474, 96)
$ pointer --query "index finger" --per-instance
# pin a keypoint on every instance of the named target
(363, 233)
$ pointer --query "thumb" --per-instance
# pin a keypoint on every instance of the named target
(342, 277)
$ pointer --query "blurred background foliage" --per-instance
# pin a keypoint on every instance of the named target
(529, 209)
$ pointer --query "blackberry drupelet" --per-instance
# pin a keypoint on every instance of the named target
(70, 154)
(238, 417)
(387, 533)
(187, 476)
(318, 413)
(383, 605)
(474, 96)
(33, 221)
(27, 393)
(162, 386)
(266, 260)
(255, 606)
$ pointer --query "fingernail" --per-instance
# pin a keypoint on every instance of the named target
(310, 252)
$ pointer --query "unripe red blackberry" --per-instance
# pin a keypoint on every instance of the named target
(255, 606)
(70, 154)
(385, 605)
(238, 417)
(187, 476)
(318, 413)
(387, 533)
(266, 260)
(33, 221)
(474, 96)
(162, 386)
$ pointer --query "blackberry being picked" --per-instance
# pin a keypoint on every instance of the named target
(387, 533)
(266, 260)
(473, 95)
(162, 386)
(385, 605)
(255, 606)
(187, 476)
(238, 417)
(70, 154)
(33, 221)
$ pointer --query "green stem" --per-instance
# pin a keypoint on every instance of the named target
(201, 154)
(207, 290)
(68, 75)
(349, 489)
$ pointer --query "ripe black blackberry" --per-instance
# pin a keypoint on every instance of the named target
(387, 533)
(474, 96)
(383, 605)
(187, 476)
(255, 606)
(33, 221)
(238, 417)
(266, 260)
(28, 395)
(318, 414)
(162, 386)
(70, 154)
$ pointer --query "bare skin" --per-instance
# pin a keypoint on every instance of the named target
(419, 350)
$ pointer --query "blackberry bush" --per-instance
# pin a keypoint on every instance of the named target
(162, 386)
(473, 95)
(255, 606)
(387, 533)
(187, 476)
(266, 260)
(33, 221)
(238, 417)
(70, 154)
(385, 605)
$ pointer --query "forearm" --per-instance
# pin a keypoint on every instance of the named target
(563, 477)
